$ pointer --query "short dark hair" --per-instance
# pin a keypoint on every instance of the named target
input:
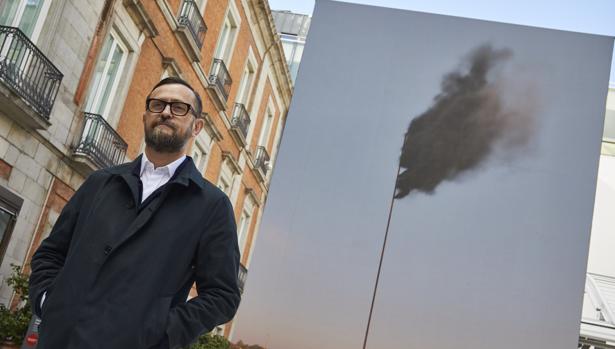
(198, 108)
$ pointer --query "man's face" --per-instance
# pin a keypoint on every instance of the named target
(164, 131)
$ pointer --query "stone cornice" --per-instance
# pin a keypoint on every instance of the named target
(272, 39)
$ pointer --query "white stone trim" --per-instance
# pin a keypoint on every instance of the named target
(275, 90)
(201, 74)
(276, 142)
(259, 215)
(252, 23)
(167, 13)
(272, 110)
(258, 97)
(251, 59)
(233, 12)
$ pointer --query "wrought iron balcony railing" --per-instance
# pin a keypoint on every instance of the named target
(262, 159)
(220, 78)
(243, 274)
(240, 121)
(27, 72)
(190, 17)
(100, 143)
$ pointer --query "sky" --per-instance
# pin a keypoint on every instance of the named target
(591, 16)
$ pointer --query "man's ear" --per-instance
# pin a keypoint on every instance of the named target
(198, 126)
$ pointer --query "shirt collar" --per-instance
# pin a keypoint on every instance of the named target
(171, 168)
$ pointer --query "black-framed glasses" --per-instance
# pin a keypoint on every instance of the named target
(155, 105)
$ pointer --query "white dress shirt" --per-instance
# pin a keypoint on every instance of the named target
(152, 179)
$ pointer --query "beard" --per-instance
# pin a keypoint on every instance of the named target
(164, 142)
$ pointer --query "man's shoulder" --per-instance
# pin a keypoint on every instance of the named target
(101, 175)
(211, 191)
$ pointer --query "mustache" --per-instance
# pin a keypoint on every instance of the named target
(162, 122)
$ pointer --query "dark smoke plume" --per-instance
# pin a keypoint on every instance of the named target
(466, 122)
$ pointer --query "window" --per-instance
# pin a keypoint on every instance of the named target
(293, 50)
(244, 223)
(225, 182)
(225, 185)
(228, 34)
(201, 149)
(10, 204)
(27, 15)
(266, 130)
(199, 156)
(245, 85)
(106, 77)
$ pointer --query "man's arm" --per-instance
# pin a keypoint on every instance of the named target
(216, 268)
(49, 258)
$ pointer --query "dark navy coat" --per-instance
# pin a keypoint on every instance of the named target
(117, 272)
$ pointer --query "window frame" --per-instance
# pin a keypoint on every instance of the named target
(11, 204)
(245, 84)
(245, 221)
(227, 175)
(131, 37)
(40, 20)
(114, 89)
(203, 158)
(263, 139)
(226, 46)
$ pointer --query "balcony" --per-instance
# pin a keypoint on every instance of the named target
(240, 123)
(261, 161)
(29, 81)
(191, 28)
(220, 81)
(598, 314)
(99, 145)
(243, 274)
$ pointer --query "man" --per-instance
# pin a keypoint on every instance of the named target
(116, 270)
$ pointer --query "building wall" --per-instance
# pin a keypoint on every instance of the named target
(40, 166)
(602, 241)
(597, 322)
(35, 158)
(293, 29)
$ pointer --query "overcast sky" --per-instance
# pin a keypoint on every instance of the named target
(591, 16)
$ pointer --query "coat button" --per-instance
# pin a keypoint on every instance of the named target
(108, 249)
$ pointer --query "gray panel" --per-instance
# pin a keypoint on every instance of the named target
(311, 280)
(489, 247)
(493, 253)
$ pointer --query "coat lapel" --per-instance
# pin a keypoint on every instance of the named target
(142, 218)
(130, 172)
(187, 173)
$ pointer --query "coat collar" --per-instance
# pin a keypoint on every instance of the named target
(185, 173)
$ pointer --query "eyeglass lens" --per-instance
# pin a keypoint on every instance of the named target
(177, 108)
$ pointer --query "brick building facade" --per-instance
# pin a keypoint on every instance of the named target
(73, 81)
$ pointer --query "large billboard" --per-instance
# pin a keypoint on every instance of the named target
(434, 187)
